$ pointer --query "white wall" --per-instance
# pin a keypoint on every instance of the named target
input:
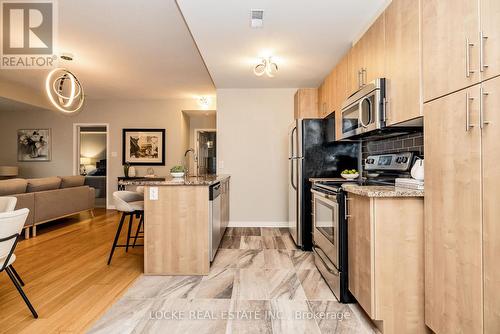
(252, 139)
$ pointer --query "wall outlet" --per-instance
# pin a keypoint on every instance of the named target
(153, 193)
(221, 164)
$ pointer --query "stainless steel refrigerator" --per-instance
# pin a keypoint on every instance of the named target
(313, 154)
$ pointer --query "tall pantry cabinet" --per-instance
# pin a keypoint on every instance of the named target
(461, 85)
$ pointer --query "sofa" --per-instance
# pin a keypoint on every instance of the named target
(49, 198)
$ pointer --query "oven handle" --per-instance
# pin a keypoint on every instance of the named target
(315, 250)
(325, 196)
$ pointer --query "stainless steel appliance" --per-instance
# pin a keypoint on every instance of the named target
(364, 114)
(330, 236)
(363, 111)
(330, 217)
(312, 155)
(215, 230)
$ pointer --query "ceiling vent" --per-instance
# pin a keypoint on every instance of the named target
(256, 18)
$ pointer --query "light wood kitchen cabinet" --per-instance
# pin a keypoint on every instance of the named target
(374, 51)
(490, 29)
(341, 89)
(225, 204)
(355, 67)
(386, 260)
(450, 46)
(306, 103)
(402, 61)
(491, 208)
(331, 93)
(322, 105)
(366, 58)
(453, 228)
(360, 245)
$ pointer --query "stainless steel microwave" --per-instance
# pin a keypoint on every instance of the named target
(364, 111)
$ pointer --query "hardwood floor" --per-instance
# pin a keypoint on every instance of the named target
(66, 276)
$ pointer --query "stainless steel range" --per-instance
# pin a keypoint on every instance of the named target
(329, 210)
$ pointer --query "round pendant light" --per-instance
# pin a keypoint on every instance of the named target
(64, 91)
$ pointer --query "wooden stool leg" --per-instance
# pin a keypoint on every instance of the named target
(141, 221)
(129, 230)
(120, 225)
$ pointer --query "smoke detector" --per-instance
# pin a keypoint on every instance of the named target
(256, 18)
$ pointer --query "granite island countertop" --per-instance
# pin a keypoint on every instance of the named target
(381, 191)
(170, 181)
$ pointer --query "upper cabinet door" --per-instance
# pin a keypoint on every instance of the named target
(453, 228)
(306, 103)
(341, 95)
(330, 93)
(491, 209)
(402, 61)
(490, 30)
(355, 65)
(374, 51)
(322, 107)
(450, 41)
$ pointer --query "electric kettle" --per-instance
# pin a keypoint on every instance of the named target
(417, 171)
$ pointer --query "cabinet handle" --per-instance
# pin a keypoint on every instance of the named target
(482, 122)
(359, 79)
(364, 76)
(468, 98)
(482, 40)
(468, 46)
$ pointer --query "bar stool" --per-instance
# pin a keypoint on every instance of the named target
(139, 233)
(129, 203)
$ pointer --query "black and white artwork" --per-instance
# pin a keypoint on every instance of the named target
(34, 145)
(144, 146)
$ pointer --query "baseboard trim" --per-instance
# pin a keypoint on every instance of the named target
(111, 207)
(257, 224)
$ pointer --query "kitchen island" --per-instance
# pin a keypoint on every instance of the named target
(181, 223)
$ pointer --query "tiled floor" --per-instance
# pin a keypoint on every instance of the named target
(258, 283)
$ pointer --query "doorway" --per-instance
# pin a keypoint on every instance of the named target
(91, 158)
(206, 151)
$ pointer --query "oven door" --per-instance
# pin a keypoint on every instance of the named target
(326, 218)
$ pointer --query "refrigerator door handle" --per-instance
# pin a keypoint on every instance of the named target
(292, 158)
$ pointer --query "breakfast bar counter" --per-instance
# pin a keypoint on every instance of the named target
(179, 222)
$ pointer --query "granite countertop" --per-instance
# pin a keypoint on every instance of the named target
(170, 181)
(382, 191)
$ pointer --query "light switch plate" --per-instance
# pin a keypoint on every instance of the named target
(153, 193)
(114, 154)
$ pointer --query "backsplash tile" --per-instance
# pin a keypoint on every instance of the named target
(405, 143)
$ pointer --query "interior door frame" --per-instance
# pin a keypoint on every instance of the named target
(195, 139)
(76, 151)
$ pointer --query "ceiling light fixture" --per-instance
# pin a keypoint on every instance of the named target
(64, 90)
(204, 102)
(266, 66)
(66, 56)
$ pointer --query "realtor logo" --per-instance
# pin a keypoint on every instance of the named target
(27, 34)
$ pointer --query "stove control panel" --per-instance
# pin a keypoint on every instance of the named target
(391, 162)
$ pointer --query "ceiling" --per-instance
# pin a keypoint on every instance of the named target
(126, 49)
(307, 38)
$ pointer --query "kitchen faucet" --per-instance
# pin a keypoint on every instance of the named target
(195, 158)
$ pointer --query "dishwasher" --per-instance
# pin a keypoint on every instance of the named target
(214, 229)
